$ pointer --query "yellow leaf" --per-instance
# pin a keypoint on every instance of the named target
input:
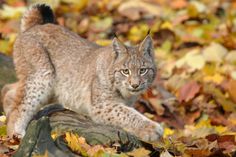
(214, 52)
(52, 3)
(167, 132)
(233, 75)
(167, 25)
(193, 59)
(209, 69)
(75, 143)
(140, 152)
(8, 12)
(54, 135)
(43, 155)
(5, 46)
(79, 4)
(220, 129)
(231, 57)
(103, 42)
(217, 78)
(203, 123)
(138, 32)
(3, 118)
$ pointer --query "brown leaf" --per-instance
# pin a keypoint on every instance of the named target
(227, 104)
(188, 91)
(134, 9)
(227, 142)
(232, 89)
(195, 152)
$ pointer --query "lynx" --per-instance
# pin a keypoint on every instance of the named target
(52, 62)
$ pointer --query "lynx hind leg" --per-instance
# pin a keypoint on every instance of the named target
(8, 94)
(36, 73)
(37, 91)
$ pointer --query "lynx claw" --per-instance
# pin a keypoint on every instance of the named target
(17, 137)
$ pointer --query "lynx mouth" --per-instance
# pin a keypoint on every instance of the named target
(135, 90)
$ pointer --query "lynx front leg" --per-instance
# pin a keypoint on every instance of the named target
(127, 118)
(36, 92)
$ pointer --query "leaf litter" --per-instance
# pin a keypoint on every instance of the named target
(195, 49)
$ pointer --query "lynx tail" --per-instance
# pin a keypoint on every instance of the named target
(37, 15)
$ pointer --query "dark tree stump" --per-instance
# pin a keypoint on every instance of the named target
(57, 119)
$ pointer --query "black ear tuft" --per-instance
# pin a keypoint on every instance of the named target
(146, 46)
(148, 33)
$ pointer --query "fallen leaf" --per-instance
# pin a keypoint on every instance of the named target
(77, 143)
(219, 97)
(167, 132)
(9, 12)
(233, 75)
(101, 24)
(79, 4)
(193, 59)
(165, 154)
(231, 57)
(178, 4)
(140, 152)
(133, 9)
(232, 89)
(52, 3)
(216, 78)
(156, 104)
(43, 155)
(188, 91)
(214, 52)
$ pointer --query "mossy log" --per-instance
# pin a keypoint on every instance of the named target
(56, 119)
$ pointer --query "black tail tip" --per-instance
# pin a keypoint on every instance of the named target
(46, 12)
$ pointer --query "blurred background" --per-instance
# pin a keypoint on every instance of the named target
(195, 49)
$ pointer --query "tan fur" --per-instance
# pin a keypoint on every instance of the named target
(53, 62)
(30, 19)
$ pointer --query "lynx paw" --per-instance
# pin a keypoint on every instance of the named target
(151, 131)
(15, 131)
(15, 128)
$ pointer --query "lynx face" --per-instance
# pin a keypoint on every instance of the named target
(134, 67)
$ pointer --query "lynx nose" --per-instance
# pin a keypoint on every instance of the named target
(135, 86)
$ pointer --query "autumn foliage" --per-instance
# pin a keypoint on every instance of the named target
(194, 95)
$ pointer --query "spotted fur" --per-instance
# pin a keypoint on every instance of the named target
(102, 82)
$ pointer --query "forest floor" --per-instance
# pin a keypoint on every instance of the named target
(195, 49)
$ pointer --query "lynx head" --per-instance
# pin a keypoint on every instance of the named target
(134, 67)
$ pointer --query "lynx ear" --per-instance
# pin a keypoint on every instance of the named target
(118, 47)
(146, 46)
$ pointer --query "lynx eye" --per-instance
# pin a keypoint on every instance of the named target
(125, 72)
(143, 71)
